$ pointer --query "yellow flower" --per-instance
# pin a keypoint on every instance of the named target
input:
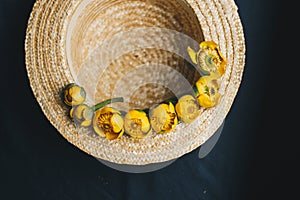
(108, 122)
(136, 124)
(82, 114)
(209, 59)
(163, 118)
(187, 108)
(73, 95)
(208, 89)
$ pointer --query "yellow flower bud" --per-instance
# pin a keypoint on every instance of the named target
(187, 108)
(109, 123)
(82, 114)
(136, 124)
(208, 89)
(163, 118)
(73, 95)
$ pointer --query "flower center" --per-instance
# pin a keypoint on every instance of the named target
(209, 60)
(106, 126)
(191, 109)
(136, 124)
(104, 122)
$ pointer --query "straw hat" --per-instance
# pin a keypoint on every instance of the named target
(134, 49)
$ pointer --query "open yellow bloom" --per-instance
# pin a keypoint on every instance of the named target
(82, 114)
(73, 95)
(136, 124)
(187, 108)
(209, 59)
(108, 122)
(208, 89)
(163, 118)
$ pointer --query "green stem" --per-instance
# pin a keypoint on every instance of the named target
(106, 102)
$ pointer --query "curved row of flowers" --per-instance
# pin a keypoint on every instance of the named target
(111, 123)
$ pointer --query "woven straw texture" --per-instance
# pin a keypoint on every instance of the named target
(63, 45)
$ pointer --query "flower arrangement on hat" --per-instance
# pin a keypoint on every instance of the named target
(111, 123)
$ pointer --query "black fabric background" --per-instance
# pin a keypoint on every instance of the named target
(255, 158)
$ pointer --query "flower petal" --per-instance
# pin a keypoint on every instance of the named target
(86, 123)
(205, 101)
(112, 136)
(117, 122)
(171, 108)
(158, 116)
(78, 112)
(192, 54)
(99, 130)
(146, 127)
(208, 44)
(96, 125)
